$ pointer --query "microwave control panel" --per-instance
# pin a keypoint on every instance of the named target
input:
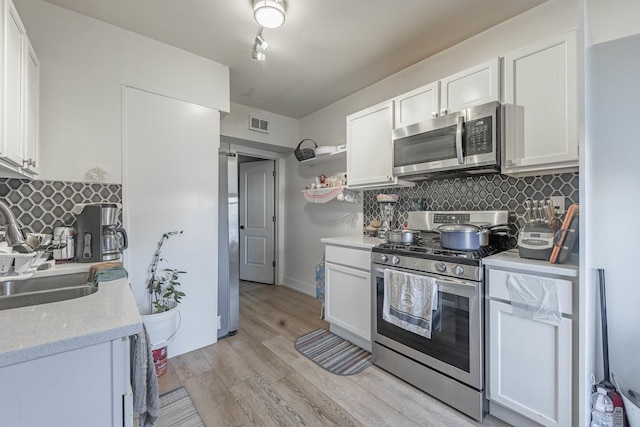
(479, 134)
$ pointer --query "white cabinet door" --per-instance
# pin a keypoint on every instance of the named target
(530, 366)
(13, 71)
(31, 110)
(348, 299)
(73, 389)
(417, 105)
(369, 149)
(474, 86)
(541, 81)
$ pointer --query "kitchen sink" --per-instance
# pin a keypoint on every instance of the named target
(43, 290)
(36, 284)
(44, 297)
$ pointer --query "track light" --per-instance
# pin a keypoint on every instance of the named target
(269, 13)
(258, 55)
(261, 41)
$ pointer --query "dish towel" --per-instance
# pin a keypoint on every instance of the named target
(108, 274)
(144, 381)
(95, 268)
(409, 301)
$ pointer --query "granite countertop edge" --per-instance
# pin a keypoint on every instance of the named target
(47, 329)
(511, 259)
(355, 241)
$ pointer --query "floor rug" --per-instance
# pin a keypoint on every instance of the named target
(333, 353)
(177, 410)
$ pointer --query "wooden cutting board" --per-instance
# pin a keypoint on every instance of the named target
(562, 234)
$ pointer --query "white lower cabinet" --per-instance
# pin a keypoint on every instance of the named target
(348, 293)
(529, 361)
(77, 388)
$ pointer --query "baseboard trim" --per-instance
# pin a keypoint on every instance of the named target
(299, 286)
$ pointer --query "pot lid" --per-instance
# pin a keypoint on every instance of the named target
(464, 228)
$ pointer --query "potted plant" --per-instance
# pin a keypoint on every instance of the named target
(162, 317)
(163, 292)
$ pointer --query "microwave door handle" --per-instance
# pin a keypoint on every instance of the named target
(459, 140)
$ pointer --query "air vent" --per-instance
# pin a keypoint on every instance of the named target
(258, 125)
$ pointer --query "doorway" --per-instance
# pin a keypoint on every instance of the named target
(248, 190)
(256, 194)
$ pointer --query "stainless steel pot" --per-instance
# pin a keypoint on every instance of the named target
(404, 237)
(465, 237)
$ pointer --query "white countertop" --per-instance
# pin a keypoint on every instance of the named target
(511, 259)
(357, 241)
(41, 330)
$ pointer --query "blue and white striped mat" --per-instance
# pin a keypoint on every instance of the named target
(333, 353)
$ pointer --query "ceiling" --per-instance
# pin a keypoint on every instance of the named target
(326, 50)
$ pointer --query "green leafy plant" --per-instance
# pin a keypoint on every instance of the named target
(163, 287)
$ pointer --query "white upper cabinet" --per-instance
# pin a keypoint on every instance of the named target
(19, 94)
(13, 82)
(417, 105)
(369, 147)
(31, 111)
(474, 86)
(541, 82)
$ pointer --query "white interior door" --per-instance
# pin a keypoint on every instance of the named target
(257, 216)
(170, 182)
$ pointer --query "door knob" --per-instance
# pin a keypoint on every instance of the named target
(242, 227)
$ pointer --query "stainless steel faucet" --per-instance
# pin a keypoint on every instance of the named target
(13, 235)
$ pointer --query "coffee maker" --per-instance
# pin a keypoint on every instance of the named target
(99, 238)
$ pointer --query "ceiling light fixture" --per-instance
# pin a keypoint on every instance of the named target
(258, 55)
(269, 13)
(261, 41)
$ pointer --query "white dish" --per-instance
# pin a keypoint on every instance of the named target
(324, 150)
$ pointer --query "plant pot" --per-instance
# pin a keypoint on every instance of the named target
(162, 327)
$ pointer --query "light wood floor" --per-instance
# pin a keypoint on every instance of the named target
(257, 378)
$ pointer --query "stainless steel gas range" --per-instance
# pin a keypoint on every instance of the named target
(449, 364)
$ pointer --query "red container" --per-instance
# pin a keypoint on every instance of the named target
(160, 361)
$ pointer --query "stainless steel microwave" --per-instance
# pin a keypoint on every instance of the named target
(466, 142)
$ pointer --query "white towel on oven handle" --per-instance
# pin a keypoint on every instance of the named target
(409, 301)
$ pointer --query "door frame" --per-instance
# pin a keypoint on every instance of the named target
(267, 152)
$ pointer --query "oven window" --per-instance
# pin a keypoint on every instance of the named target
(449, 341)
(426, 147)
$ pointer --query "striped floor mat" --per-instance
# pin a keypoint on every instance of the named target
(333, 353)
(176, 409)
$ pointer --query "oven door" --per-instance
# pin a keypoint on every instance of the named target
(455, 348)
(429, 146)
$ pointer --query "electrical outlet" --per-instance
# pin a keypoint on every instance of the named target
(219, 322)
(558, 204)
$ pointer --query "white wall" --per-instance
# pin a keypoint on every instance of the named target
(176, 190)
(613, 19)
(283, 131)
(307, 223)
(83, 63)
(611, 166)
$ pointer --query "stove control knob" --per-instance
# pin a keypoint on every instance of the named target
(441, 267)
(458, 270)
(384, 258)
(395, 260)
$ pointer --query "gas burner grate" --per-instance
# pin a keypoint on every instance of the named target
(437, 250)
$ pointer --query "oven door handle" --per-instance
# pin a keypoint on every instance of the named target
(459, 140)
(440, 280)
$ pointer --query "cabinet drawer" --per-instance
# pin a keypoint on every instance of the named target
(356, 258)
(497, 288)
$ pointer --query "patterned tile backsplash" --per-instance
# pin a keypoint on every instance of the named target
(41, 205)
(487, 192)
